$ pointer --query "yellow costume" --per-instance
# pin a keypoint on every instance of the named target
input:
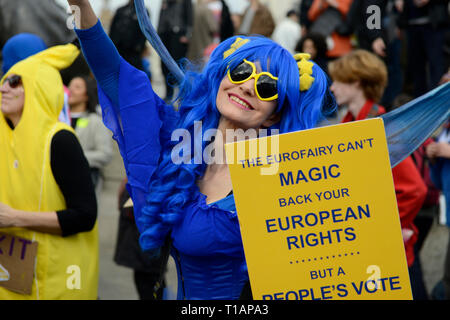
(27, 182)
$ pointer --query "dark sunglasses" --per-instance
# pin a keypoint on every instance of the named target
(14, 81)
(265, 83)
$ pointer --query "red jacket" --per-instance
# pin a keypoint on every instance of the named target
(410, 188)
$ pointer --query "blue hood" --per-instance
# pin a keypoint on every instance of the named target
(20, 47)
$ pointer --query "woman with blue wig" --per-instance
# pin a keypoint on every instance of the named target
(248, 83)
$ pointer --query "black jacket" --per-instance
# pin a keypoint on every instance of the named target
(127, 35)
(435, 10)
(176, 17)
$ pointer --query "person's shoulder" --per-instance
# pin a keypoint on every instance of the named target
(95, 121)
(122, 9)
(94, 116)
(64, 145)
(63, 137)
(292, 24)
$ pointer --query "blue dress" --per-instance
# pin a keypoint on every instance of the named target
(208, 252)
(206, 243)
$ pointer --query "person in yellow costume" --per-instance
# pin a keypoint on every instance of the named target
(46, 194)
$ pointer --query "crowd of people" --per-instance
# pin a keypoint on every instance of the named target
(362, 64)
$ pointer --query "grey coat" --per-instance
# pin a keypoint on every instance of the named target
(95, 139)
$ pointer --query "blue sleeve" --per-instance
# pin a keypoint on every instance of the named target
(141, 123)
(139, 120)
(103, 59)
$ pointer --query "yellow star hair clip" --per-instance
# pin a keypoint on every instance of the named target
(236, 45)
(305, 70)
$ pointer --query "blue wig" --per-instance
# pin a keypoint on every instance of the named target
(172, 185)
(20, 47)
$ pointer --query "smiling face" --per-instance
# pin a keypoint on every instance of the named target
(13, 98)
(240, 105)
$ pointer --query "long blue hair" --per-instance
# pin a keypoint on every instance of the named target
(173, 185)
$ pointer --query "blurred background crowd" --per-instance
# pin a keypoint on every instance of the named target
(395, 50)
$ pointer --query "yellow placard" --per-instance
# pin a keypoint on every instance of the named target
(318, 214)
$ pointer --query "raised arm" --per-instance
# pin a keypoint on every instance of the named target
(98, 49)
(131, 109)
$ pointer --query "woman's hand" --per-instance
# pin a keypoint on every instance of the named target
(438, 149)
(430, 150)
(379, 47)
(7, 216)
(46, 222)
(443, 150)
(87, 18)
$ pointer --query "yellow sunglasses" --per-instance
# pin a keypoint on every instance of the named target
(265, 83)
